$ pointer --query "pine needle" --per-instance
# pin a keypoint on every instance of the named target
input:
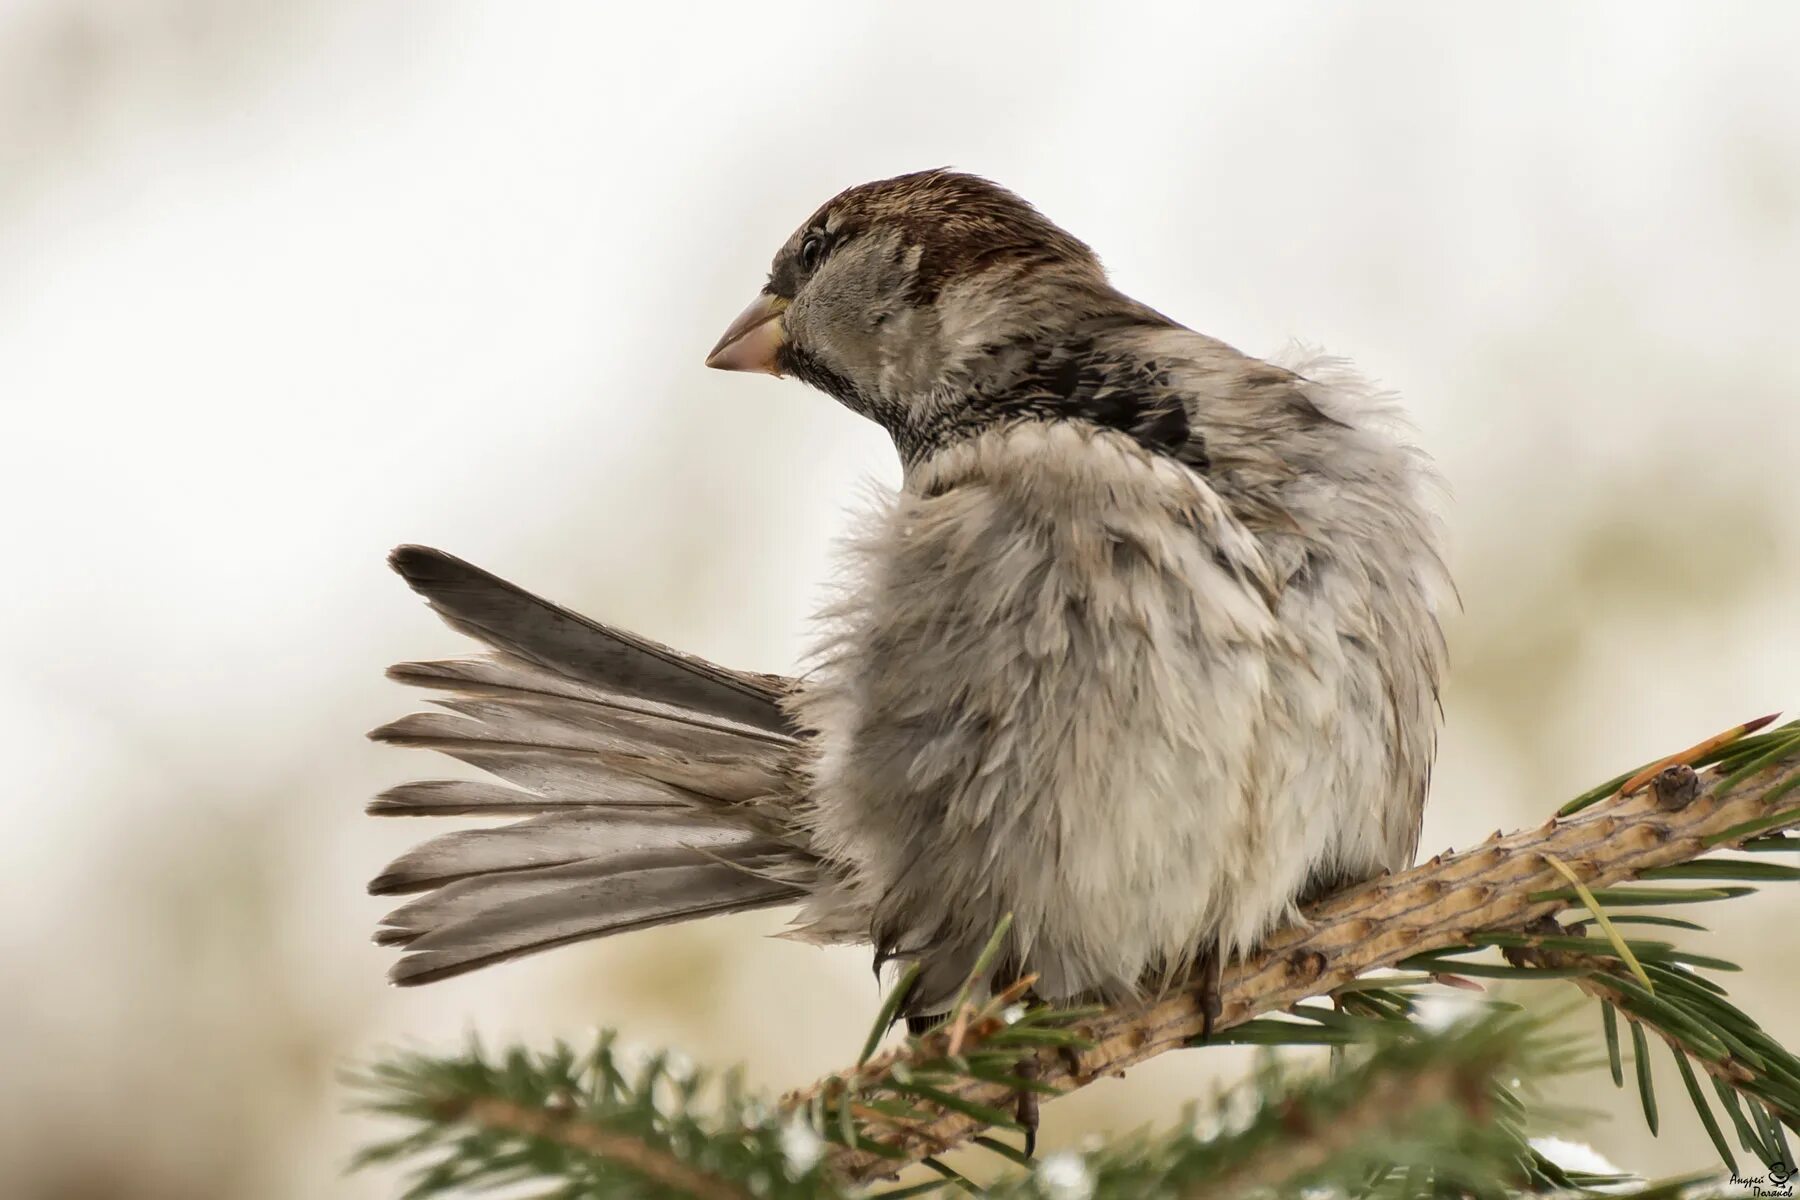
(1609, 1025)
(983, 963)
(890, 1008)
(1640, 1055)
(1593, 906)
(1704, 1109)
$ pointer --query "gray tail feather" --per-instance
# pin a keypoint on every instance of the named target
(652, 785)
(509, 618)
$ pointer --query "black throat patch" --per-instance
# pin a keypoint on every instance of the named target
(1075, 381)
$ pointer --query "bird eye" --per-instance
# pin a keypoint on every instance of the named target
(812, 249)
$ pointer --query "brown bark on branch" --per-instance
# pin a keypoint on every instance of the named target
(1436, 905)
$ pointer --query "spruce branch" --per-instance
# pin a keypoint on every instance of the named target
(1408, 1111)
(1507, 883)
(1421, 1115)
(633, 1153)
(1426, 1112)
(583, 1121)
(1702, 1030)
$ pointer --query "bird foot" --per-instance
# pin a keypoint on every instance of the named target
(1208, 970)
(1026, 1108)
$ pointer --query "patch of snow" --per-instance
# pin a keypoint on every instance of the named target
(1574, 1156)
(1065, 1176)
(1440, 1012)
(801, 1147)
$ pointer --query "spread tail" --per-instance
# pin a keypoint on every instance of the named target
(651, 786)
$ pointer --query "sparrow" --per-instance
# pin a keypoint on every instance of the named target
(1144, 651)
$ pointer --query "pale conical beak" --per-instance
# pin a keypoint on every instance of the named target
(754, 340)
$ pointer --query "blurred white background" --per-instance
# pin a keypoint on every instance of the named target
(282, 284)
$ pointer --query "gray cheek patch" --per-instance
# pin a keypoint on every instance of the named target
(842, 316)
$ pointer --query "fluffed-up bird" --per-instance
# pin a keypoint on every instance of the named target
(1144, 651)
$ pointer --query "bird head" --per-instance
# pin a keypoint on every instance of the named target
(909, 298)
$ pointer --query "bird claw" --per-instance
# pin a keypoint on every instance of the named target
(1026, 1108)
(1209, 992)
